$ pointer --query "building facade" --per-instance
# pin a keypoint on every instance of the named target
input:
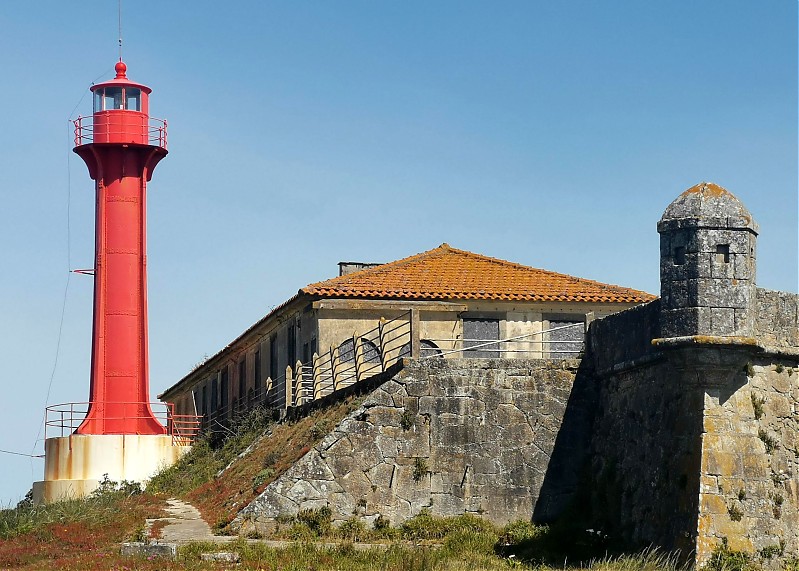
(443, 303)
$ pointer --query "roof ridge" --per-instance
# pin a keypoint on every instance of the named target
(396, 278)
(550, 272)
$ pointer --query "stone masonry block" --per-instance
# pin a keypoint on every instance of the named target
(719, 268)
(676, 322)
(744, 267)
(755, 466)
(723, 321)
(712, 503)
(744, 322)
(722, 293)
(780, 406)
(781, 382)
(721, 463)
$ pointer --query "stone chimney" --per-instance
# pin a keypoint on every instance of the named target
(345, 268)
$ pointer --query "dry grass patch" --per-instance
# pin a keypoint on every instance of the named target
(219, 480)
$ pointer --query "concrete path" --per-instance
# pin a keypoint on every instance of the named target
(185, 524)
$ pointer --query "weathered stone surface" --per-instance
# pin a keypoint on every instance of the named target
(470, 435)
(680, 444)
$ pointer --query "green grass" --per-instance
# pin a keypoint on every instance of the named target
(27, 517)
(210, 455)
(80, 532)
(464, 549)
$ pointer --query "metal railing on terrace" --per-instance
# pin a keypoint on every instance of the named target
(154, 132)
(363, 356)
(355, 360)
(64, 419)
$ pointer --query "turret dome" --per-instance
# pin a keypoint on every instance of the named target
(707, 205)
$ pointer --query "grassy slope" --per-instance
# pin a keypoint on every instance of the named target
(85, 534)
(76, 534)
(219, 499)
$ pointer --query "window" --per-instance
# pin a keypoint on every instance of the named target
(110, 98)
(224, 387)
(113, 98)
(214, 396)
(477, 333)
(723, 253)
(132, 99)
(564, 336)
(242, 377)
(430, 349)
(273, 357)
(679, 255)
(292, 345)
(346, 351)
(257, 367)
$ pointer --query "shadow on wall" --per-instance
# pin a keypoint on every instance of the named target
(563, 491)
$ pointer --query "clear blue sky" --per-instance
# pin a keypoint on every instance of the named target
(553, 134)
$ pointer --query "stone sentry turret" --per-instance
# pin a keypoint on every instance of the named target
(707, 265)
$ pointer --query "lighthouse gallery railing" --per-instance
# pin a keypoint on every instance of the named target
(155, 131)
(64, 419)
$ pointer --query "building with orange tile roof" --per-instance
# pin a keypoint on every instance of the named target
(444, 302)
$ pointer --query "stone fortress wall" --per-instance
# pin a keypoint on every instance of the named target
(454, 436)
(681, 457)
(679, 428)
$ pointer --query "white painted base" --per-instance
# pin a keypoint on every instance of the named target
(75, 465)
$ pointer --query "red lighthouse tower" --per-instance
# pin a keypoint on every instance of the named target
(119, 437)
(121, 145)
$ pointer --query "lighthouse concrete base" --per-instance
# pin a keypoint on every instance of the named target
(75, 465)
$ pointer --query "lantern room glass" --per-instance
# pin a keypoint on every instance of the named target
(132, 99)
(117, 98)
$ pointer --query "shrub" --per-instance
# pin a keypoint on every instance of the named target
(769, 442)
(262, 477)
(726, 559)
(735, 513)
(757, 405)
(420, 469)
(520, 530)
(318, 521)
(424, 525)
(352, 530)
(381, 522)
(407, 419)
(319, 430)
(773, 550)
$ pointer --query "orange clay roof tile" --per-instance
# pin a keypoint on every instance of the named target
(446, 273)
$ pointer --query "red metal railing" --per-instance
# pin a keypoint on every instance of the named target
(84, 131)
(64, 419)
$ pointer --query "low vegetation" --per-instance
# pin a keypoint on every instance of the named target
(224, 472)
(89, 530)
(208, 477)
